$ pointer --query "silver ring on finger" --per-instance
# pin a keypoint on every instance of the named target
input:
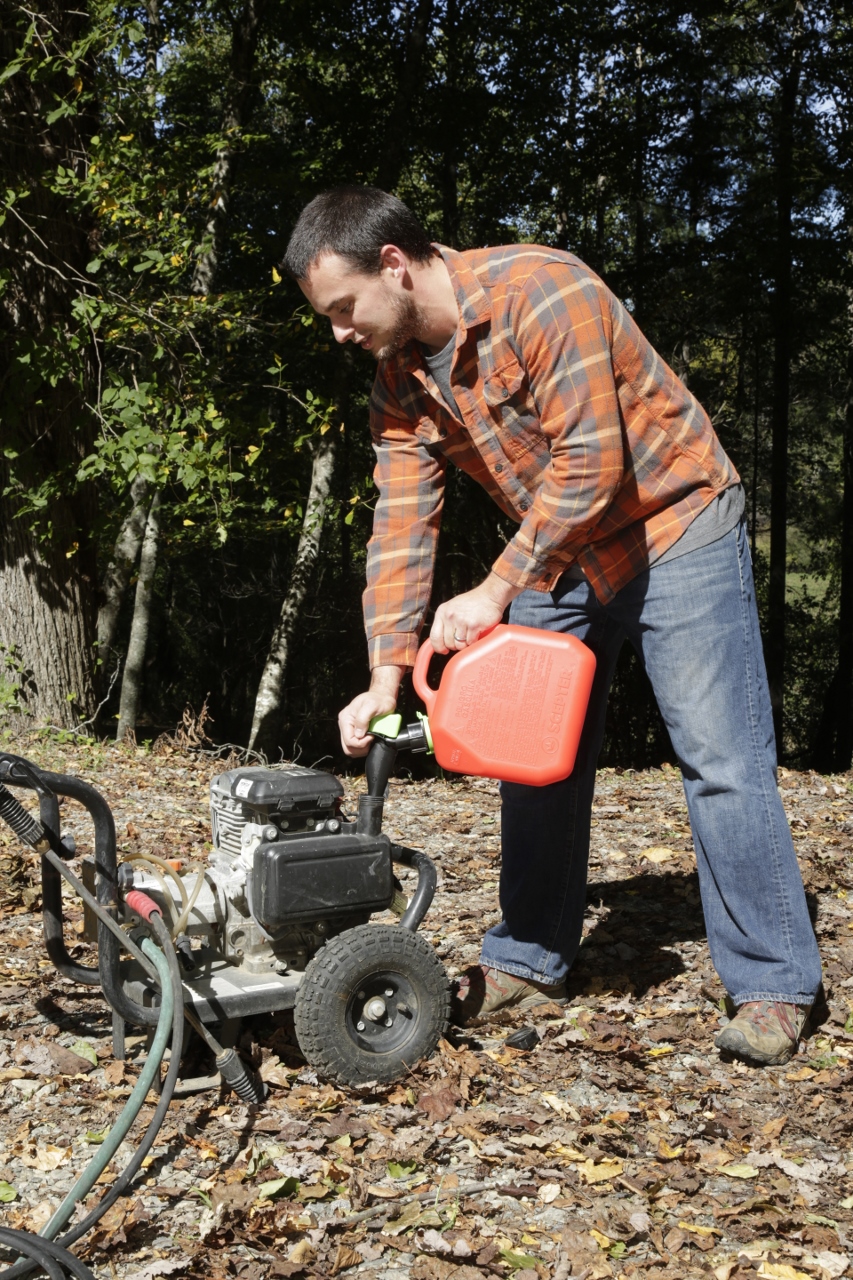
(459, 639)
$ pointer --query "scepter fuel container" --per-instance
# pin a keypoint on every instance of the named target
(510, 706)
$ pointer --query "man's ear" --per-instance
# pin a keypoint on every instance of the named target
(393, 260)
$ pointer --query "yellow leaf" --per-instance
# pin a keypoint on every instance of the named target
(781, 1271)
(603, 1241)
(661, 1050)
(46, 1158)
(666, 1152)
(126, 137)
(176, 259)
(603, 1172)
(276, 278)
(77, 84)
(804, 1073)
(189, 522)
(658, 855)
(325, 427)
(739, 1171)
(699, 1231)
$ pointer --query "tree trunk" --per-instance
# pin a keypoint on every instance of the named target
(833, 751)
(639, 194)
(782, 318)
(245, 33)
(409, 81)
(131, 685)
(449, 172)
(47, 561)
(120, 567)
(270, 690)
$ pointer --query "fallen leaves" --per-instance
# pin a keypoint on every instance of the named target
(47, 1058)
(440, 1104)
(46, 1158)
(658, 855)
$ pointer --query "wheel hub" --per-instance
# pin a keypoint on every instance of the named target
(382, 1013)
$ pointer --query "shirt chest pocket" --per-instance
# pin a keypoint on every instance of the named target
(511, 408)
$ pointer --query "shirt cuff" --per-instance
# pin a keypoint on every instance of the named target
(395, 649)
(521, 571)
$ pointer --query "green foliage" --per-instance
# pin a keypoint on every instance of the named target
(643, 139)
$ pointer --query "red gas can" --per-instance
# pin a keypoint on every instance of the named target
(511, 705)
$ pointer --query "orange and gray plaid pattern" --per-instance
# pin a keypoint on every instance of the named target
(568, 418)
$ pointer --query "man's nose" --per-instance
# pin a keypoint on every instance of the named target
(343, 333)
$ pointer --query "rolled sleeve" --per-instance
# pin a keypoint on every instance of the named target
(401, 552)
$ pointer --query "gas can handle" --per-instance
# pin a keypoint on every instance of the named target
(419, 676)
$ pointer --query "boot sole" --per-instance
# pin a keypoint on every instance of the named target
(529, 1002)
(739, 1047)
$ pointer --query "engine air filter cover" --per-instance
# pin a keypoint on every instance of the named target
(321, 877)
(294, 787)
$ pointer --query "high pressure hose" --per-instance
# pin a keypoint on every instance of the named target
(41, 1251)
(161, 962)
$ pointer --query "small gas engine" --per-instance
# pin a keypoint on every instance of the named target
(281, 911)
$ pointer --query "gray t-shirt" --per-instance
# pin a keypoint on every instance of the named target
(439, 367)
(718, 518)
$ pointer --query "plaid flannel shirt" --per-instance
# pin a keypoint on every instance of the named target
(568, 418)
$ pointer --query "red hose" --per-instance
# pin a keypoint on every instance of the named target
(142, 904)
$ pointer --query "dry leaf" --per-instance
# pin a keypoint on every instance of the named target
(303, 1253)
(592, 1172)
(548, 1192)
(774, 1127)
(114, 1073)
(739, 1171)
(666, 1152)
(781, 1271)
(658, 855)
(46, 1158)
(440, 1104)
(345, 1258)
(804, 1073)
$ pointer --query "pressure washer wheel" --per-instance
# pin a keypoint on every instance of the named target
(374, 1000)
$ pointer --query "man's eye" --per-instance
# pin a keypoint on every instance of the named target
(345, 309)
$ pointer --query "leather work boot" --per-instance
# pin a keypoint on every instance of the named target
(482, 991)
(765, 1032)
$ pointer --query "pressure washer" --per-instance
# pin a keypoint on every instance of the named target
(279, 918)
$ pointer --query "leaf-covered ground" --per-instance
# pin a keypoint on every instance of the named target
(620, 1145)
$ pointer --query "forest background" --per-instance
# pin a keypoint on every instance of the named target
(184, 457)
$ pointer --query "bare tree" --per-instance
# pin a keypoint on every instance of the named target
(118, 571)
(270, 690)
(131, 685)
(47, 568)
(245, 32)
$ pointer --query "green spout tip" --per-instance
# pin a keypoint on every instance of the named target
(386, 726)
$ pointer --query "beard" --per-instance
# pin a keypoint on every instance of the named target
(409, 321)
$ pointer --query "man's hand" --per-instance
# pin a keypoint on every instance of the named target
(380, 699)
(460, 621)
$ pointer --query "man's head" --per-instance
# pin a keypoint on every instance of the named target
(363, 260)
(355, 223)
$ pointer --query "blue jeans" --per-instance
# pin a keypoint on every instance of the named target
(694, 625)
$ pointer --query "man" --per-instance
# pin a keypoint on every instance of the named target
(519, 365)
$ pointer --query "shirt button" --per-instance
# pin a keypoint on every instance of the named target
(504, 392)
(524, 506)
(499, 466)
(442, 431)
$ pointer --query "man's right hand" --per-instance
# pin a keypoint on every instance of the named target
(380, 699)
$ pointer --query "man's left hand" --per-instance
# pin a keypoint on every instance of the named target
(462, 620)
